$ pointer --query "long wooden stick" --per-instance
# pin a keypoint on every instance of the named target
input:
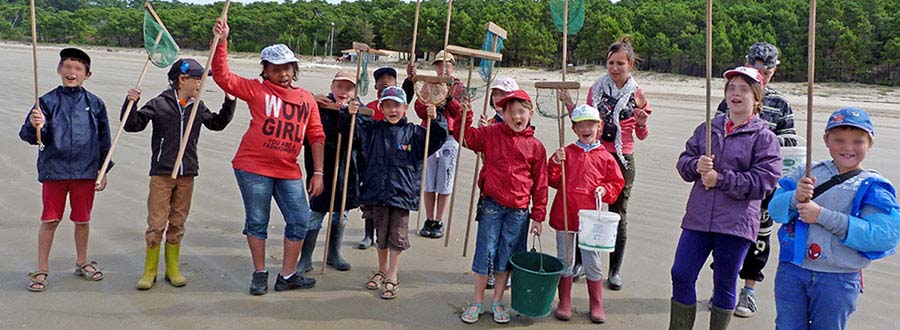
(708, 78)
(462, 139)
(811, 75)
(487, 100)
(562, 134)
(360, 53)
(190, 124)
(412, 61)
(37, 95)
(422, 207)
(330, 213)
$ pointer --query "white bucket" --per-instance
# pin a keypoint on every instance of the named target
(792, 157)
(597, 229)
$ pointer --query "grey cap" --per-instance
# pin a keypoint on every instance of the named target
(765, 52)
(277, 54)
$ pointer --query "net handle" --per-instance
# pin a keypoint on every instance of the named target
(37, 93)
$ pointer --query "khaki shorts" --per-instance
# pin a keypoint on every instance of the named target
(391, 226)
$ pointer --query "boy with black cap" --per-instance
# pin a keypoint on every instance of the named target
(75, 138)
(777, 112)
(169, 200)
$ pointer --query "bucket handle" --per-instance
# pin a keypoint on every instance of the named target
(600, 203)
(539, 245)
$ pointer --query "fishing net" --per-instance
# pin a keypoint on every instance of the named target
(432, 91)
(546, 100)
(485, 66)
(161, 47)
(576, 14)
(363, 80)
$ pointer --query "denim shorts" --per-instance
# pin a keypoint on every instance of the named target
(316, 220)
(257, 192)
(501, 231)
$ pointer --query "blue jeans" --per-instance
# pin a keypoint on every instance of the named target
(500, 233)
(693, 249)
(315, 222)
(806, 299)
(257, 192)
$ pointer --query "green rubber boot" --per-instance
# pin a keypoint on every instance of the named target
(151, 266)
(173, 276)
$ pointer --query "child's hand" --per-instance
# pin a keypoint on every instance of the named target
(36, 118)
(483, 121)
(353, 107)
(600, 191)
(431, 111)
(316, 185)
(709, 179)
(221, 28)
(641, 116)
(536, 227)
(705, 164)
(564, 97)
(640, 100)
(134, 94)
(805, 189)
(102, 185)
(410, 71)
(809, 211)
(559, 156)
(230, 97)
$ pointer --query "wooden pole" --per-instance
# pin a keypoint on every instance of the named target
(487, 100)
(360, 53)
(412, 52)
(422, 207)
(708, 78)
(330, 213)
(37, 92)
(187, 130)
(811, 75)
(412, 61)
(562, 134)
(462, 139)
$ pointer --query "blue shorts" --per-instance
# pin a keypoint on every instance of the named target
(315, 222)
(257, 192)
(806, 299)
(501, 231)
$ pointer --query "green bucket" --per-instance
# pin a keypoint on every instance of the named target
(535, 276)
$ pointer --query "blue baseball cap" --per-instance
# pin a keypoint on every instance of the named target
(393, 93)
(384, 70)
(854, 117)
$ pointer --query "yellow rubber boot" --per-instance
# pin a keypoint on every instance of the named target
(173, 276)
(151, 266)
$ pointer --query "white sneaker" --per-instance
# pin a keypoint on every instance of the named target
(746, 306)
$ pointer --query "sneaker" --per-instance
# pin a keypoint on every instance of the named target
(296, 281)
(426, 229)
(437, 229)
(746, 306)
(259, 283)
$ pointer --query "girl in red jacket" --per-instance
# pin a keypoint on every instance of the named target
(593, 172)
(266, 167)
(515, 176)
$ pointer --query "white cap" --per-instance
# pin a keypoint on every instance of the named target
(278, 54)
(441, 57)
(585, 112)
(505, 84)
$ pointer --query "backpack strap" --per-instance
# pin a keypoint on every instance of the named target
(835, 180)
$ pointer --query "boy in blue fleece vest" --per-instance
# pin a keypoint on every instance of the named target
(826, 241)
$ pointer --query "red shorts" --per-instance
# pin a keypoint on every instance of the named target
(81, 196)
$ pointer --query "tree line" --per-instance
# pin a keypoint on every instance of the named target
(857, 41)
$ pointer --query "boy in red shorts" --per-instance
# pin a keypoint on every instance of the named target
(75, 137)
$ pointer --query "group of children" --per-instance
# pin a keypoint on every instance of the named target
(838, 233)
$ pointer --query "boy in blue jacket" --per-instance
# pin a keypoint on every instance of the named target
(828, 235)
(75, 139)
(390, 172)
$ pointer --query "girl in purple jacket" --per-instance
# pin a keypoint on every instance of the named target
(722, 214)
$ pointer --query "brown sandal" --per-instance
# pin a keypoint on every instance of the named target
(35, 281)
(90, 275)
(375, 281)
(392, 292)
